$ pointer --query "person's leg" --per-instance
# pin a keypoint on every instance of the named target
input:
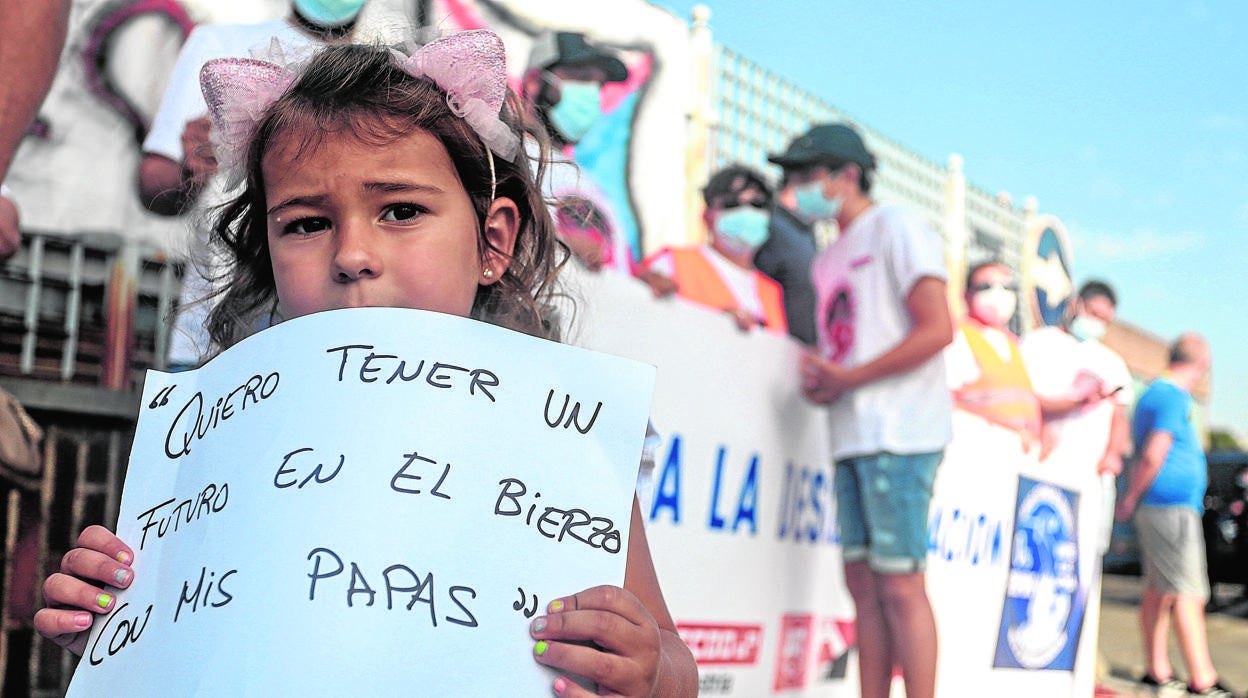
(1154, 629)
(875, 657)
(1189, 627)
(912, 627)
(897, 495)
(875, 661)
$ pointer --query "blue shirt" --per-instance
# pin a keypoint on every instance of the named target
(1183, 476)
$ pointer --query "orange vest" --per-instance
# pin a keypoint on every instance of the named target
(1003, 392)
(699, 282)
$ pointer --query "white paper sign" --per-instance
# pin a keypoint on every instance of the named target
(368, 502)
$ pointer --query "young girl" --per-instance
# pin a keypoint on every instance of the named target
(376, 179)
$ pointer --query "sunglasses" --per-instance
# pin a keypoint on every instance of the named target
(976, 288)
(737, 203)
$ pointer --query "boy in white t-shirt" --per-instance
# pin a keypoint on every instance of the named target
(882, 320)
(1085, 391)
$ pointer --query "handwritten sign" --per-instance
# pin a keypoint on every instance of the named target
(368, 502)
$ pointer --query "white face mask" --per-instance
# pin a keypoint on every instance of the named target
(994, 307)
(1085, 327)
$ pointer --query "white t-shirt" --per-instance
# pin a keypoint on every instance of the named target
(183, 102)
(1059, 364)
(961, 368)
(862, 281)
(741, 283)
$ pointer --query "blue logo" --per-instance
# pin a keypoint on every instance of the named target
(1044, 606)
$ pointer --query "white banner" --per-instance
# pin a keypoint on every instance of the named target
(742, 522)
(365, 502)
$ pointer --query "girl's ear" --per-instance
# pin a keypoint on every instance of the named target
(502, 224)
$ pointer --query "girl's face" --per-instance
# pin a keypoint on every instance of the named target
(354, 225)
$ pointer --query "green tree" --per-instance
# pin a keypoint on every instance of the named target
(1222, 440)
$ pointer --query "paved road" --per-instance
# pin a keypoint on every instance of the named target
(1122, 654)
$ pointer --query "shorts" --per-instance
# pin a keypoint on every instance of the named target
(882, 503)
(1173, 546)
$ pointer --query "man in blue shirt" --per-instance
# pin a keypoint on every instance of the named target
(1165, 501)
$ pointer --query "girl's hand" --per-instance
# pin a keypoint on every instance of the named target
(604, 634)
(77, 591)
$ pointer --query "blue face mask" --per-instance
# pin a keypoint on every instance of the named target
(577, 110)
(813, 205)
(742, 229)
(329, 13)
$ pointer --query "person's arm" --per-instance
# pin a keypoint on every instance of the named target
(1156, 449)
(34, 33)
(1119, 434)
(931, 330)
(170, 188)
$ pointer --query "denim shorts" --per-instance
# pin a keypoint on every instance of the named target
(882, 504)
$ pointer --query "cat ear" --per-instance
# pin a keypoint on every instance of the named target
(238, 92)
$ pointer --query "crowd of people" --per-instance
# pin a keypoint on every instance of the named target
(301, 232)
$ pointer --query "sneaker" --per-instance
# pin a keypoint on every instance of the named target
(1170, 688)
(1217, 690)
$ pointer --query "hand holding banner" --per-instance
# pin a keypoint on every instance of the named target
(367, 501)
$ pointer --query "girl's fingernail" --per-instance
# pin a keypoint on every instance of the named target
(122, 577)
(123, 557)
(556, 606)
(540, 648)
(560, 684)
(539, 625)
(104, 600)
(82, 620)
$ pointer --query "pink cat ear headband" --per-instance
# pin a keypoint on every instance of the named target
(469, 66)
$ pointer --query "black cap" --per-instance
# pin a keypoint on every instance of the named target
(825, 142)
(572, 48)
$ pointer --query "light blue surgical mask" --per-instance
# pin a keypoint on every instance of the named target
(813, 205)
(1085, 327)
(577, 110)
(329, 13)
(742, 229)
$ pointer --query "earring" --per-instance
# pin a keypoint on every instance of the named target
(488, 273)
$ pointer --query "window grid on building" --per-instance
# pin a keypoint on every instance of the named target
(759, 113)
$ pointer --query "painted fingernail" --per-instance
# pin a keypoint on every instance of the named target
(122, 577)
(556, 606)
(124, 557)
(540, 648)
(104, 600)
(560, 684)
(82, 620)
(539, 625)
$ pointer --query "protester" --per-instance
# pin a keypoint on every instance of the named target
(985, 368)
(721, 275)
(34, 34)
(178, 168)
(883, 319)
(313, 229)
(562, 90)
(1165, 499)
(27, 68)
(786, 256)
(1084, 388)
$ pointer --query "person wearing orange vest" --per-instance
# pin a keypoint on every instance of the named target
(721, 275)
(985, 369)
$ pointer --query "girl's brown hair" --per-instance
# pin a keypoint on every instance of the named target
(361, 91)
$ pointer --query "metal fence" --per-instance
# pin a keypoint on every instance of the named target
(81, 318)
